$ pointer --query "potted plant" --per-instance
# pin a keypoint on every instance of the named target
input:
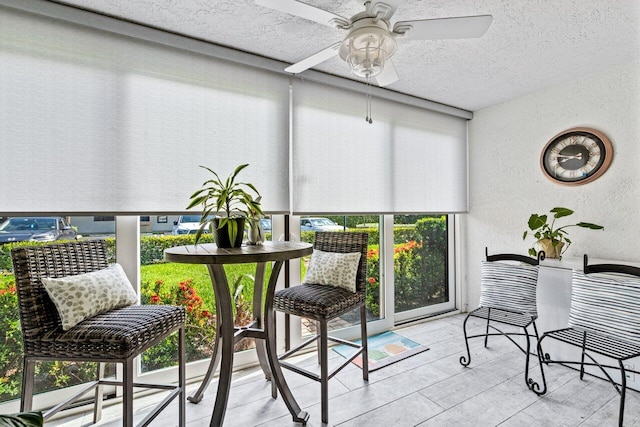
(549, 239)
(225, 205)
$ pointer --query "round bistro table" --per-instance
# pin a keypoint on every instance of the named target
(227, 334)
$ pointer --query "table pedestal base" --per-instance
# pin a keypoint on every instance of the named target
(227, 332)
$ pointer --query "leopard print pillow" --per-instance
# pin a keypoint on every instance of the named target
(333, 269)
(85, 295)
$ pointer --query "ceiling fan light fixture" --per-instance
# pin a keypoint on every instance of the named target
(366, 62)
(367, 48)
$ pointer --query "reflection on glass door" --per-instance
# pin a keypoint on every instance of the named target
(422, 283)
(189, 285)
(369, 224)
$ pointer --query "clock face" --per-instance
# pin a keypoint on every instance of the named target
(576, 156)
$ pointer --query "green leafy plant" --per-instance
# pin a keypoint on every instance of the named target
(200, 323)
(10, 339)
(542, 229)
(228, 197)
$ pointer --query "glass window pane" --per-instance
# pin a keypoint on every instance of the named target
(420, 261)
(370, 224)
(30, 231)
(189, 285)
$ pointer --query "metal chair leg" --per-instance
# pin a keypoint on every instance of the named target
(28, 372)
(363, 340)
(318, 342)
(182, 375)
(127, 392)
(97, 405)
(584, 345)
(486, 336)
(464, 361)
(535, 331)
(534, 386)
(623, 392)
(324, 371)
(527, 357)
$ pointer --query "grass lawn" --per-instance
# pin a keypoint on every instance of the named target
(174, 273)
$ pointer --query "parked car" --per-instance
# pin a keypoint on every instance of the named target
(36, 229)
(187, 224)
(319, 224)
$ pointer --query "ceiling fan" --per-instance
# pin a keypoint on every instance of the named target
(371, 40)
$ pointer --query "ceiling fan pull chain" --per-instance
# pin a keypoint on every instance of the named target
(368, 118)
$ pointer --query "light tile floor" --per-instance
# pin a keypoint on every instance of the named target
(428, 389)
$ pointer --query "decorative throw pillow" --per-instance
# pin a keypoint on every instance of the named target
(84, 295)
(333, 269)
(606, 304)
(509, 286)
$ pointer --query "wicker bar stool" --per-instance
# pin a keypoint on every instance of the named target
(115, 336)
(322, 303)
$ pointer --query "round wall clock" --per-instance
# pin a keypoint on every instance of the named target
(576, 156)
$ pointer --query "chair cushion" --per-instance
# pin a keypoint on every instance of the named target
(606, 304)
(81, 296)
(317, 302)
(116, 334)
(333, 269)
(509, 287)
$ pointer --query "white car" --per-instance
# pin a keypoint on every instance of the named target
(319, 224)
(187, 224)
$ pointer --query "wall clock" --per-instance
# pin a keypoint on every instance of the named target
(576, 156)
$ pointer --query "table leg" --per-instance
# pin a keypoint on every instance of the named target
(215, 358)
(261, 345)
(225, 314)
(270, 337)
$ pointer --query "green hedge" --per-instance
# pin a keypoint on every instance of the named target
(401, 233)
(152, 247)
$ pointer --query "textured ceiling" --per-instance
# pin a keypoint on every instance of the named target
(531, 44)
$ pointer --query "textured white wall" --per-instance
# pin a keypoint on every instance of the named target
(507, 185)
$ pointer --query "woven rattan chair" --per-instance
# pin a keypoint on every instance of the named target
(116, 336)
(323, 303)
(508, 297)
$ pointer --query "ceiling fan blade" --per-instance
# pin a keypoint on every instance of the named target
(314, 59)
(388, 75)
(462, 27)
(384, 8)
(303, 10)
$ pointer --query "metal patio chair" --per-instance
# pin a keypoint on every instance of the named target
(508, 297)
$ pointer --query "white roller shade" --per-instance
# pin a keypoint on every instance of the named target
(409, 160)
(96, 122)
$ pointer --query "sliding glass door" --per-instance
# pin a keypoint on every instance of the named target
(423, 280)
(409, 269)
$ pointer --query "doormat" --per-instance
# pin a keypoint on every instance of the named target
(384, 349)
